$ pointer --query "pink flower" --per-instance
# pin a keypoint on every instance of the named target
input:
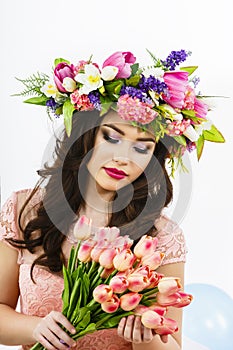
(189, 98)
(145, 246)
(81, 102)
(137, 282)
(111, 305)
(119, 284)
(177, 127)
(169, 285)
(178, 299)
(154, 260)
(82, 229)
(124, 260)
(122, 61)
(131, 108)
(63, 70)
(109, 234)
(102, 293)
(177, 82)
(154, 279)
(129, 301)
(106, 258)
(160, 324)
(84, 253)
(200, 108)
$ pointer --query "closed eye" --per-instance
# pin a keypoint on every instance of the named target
(141, 150)
(109, 138)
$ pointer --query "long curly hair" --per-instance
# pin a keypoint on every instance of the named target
(63, 199)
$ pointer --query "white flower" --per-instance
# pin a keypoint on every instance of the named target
(109, 73)
(69, 84)
(172, 112)
(91, 79)
(82, 228)
(206, 125)
(191, 133)
(49, 90)
(156, 72)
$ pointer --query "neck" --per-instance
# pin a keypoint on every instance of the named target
(98, 203)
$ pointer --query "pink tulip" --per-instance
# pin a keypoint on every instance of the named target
(122, 61)
(169, 285)
(106, 272)
(137, 282)
(129, 301)
(123, 242)
(160, 324)
(82, 229)
(179, 299)
(154, 260)
(145, 246)
(111, 305)
(119, 284)
(154, 279)
(63, 70)
(98, 250)
(107, 234)
(106, 258)
(124, 260)
(84, 253)
(177, 82)
(102, 293)
(151, 319)
(200, 108)
(140, 309)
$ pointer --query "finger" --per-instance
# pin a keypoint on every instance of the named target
(45, 342)
(121, 326)
(164, 338)
(60, 318)
(147, 334)
(60, 334)
(128, 330)
(137, 330)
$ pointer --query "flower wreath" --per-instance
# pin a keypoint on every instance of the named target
(161, 95)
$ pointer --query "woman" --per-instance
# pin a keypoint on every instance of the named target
(118, 145)
(108, 169)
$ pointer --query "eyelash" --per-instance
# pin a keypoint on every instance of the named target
(114, 141)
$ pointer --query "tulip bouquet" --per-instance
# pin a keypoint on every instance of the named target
(106, 280)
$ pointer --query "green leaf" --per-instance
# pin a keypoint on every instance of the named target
(74, 297)
(189, 69)
(77, 317)
(114, 321)
(85, 320)
(133, 81)
(134, 68)
(189, 113)
(180, 139)
(106, 104)
(60, 60)
(67, 290)
(89, 329)
(213, 135)
(200, 145)
(40, 100)
(67, 111)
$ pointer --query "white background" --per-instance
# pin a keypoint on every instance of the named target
(34, 33)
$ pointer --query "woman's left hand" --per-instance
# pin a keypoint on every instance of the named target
(131, 329)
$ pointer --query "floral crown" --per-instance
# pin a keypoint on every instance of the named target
(161, 95)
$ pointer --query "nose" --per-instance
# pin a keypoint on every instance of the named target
(120, 156)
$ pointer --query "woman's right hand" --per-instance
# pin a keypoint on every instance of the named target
(49, 333)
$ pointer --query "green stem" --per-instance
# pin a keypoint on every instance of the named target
(93, 266)
(75, 257)
(97, 277)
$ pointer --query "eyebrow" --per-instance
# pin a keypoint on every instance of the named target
(122, 133)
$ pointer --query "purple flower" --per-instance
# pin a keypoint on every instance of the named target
(175, 58)
(52, 105)
(94, 98)
(152, 83)
(134, 92)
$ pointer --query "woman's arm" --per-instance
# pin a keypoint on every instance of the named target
(19, 329)
(143, 338)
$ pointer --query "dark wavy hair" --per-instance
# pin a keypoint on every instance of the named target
(62, 200)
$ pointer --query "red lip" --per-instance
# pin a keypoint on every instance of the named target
(115, 173)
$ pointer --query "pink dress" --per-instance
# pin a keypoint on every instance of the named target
(44, 296)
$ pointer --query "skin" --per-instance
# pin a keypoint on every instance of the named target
(117, 145)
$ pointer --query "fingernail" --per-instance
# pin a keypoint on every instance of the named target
(73, 331)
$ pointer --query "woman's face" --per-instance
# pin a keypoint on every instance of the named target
(121, 153)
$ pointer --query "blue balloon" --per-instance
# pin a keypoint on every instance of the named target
(209, 318)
